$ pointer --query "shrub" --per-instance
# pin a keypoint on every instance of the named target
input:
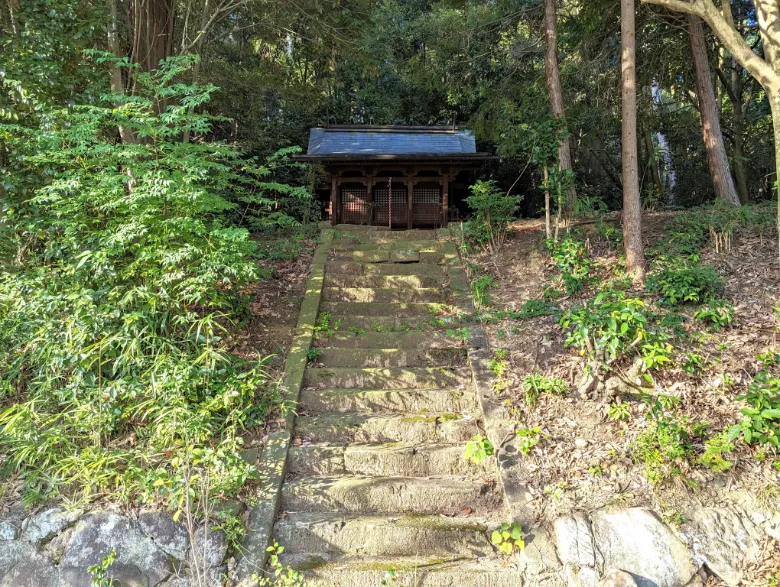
(664, 449)
(717, 313)
(493, 211)
(687, 283)
(536, 384)
(761, 419)
(571, 258)
(115, 375)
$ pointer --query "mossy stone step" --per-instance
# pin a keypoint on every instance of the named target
(388, 400)
(342, 244)
(414, 571)
(393, 256)
(390, 459)
(389, 340)
(416, 357)
(352, 268)
(386, 378)
(382, 234)
(447, 496)
(334, 534)
(386, 308)
(429, 427)
(385, 281)
(382, 295)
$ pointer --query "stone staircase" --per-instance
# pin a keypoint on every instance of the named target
(376, 477)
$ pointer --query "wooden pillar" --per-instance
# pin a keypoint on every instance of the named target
(445, 198)
(371, 211)
(409, 192)
(335, 201)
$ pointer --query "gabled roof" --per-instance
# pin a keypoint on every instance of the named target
(390, 142)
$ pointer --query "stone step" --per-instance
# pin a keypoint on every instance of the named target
(347, 244)
(386, 378)
(391, 459)
(392, 256)
(437, 339)
(416, 357)
(448, 496)
(334, 534)
(352, 268)
(405, 282)
(385, 309)
(382, 295)
(381, 233)
(389, 400)
(431, 427)
(398, 324)
(363, 571)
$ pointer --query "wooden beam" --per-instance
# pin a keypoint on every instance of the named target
(335, 201)
(445, 197)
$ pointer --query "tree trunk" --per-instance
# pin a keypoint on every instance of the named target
(556, 94)
(774, 103)
(710, 120)
(632, 210)
(152, 28)
(654, 170)
(115, 74)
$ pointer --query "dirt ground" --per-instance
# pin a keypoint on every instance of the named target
(583, 460)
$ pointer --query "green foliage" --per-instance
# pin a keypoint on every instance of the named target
(571, 258)
(282, 575)
(478, 449)
(99, 572)
(679, 283)
(534, 308)
(716, 313)
(508, 537)
(527, 438)
(493, 211)
(614, 325)
(313, 353)
(114, 371)
(761, 419)
(618, 412)
(325, 326)
(536, 383)
(714, 450)
(664, 449)
(480, 287)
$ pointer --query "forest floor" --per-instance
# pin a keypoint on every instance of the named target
(585, 453)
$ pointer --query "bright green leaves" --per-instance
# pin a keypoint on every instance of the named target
(508, 537)
(478, 449)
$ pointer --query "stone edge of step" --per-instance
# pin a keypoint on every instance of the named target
(253, 557)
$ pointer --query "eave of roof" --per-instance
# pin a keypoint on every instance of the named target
(412, 158)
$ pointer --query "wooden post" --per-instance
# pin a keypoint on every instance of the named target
(335, 202)
(370, 184)
(409, 192)
(445, 197)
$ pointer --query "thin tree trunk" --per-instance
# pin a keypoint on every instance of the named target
(654, 170)
(740, 167)
(632, 211)
(774, 103)
(710, 120)
(115, 74)
(556, 94)
(547, 227)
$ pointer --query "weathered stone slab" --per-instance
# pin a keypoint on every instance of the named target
(575, 540)
(47, 524)
(31, 570)
(170, 536)
(636, 541)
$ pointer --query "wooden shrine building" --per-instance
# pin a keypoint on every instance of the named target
(420, 166)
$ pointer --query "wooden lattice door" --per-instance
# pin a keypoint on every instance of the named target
(400, 205)
(355, 204)
(426, 205)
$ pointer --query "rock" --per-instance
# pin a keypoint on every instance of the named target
(618, 579)
(580, 443)
(47, 524)
(11, 553)
(209, 547)
(32, 570)
(724, 540)
(140, 563)
(575, 540)
(636, 541)
(170, 536)
(7, 532)
(539, 556)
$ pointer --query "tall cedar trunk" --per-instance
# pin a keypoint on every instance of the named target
(151, 24)
(117, 82)
(738, 118)
(556, 93)
(710, 120)
(632, 210)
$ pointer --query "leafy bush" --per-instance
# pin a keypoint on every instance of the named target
(536, 384)
(761, 419)
(571, 258)
(687, 283)
(493, 211)
(664, 449)
(612, 325)
(125, 280)
(717, 313)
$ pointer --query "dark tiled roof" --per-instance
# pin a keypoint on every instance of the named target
(394, 141)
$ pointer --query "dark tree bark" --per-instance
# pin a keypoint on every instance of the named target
(151, 24)
(632, 209)
(710, 119)
(556, 93)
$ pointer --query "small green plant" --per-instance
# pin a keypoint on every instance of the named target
(680, 283)
(461, 333)
(499, 366)
(664, 449)
(534, 308)
(761, 419)
(283, 575)
(716, 313)
(693, 364)
(714, 450)
(389, 578)
(508, 537)
(571, 258)
(527, 438)
(481, 286)
(619, 412)
(99, 572)
(478, 449)
(493, 211)
(536, 384)
(313, 353)
(325, 326)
